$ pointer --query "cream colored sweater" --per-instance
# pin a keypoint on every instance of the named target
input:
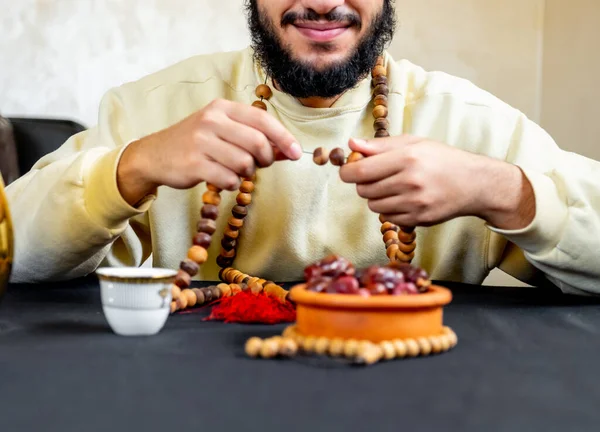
(70, 218)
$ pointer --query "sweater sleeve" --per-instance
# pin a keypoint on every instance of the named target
(69, 216)
(563, 240)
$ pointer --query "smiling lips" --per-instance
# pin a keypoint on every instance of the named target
(321, 32)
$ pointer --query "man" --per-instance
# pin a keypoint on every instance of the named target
(486, 187)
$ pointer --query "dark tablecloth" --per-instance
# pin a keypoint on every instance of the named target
(527, 360)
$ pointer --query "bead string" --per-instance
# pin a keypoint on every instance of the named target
(291, 343)
(400, 242)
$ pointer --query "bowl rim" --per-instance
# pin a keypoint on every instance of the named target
(436, 296)
(136, 274)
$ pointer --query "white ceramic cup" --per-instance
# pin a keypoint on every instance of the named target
(136, 301)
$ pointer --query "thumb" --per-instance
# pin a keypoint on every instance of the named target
(380, 145)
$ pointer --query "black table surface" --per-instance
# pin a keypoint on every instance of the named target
(527, 360)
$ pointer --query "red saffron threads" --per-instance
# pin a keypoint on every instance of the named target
(247, 307)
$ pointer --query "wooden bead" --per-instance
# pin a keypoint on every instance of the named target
(245, 280)
(199, 296)
(190, 267)
(228, 243)
(369, 354)
(173, 307)
(252, 280)
(253, 346)
(380, 99)
(235, 289)
(264, 91)
(208, 294)
(182, 302)
(382, 219)
(262, 282)
(388, 226)
(231, 233)
(288, 347)
(275, 290)
(223, 261)
(210, 211)
(381, 124)
(405, 237)
(388, 349)
(228, 254)
(400, 347)
(289, 332)
(336, 347)
(211, 198)
(198, 254)
(390, 235)
(309, 343)
(445, 343)
(425, 346)
(382, 133)
(183, 279)
(355, 157)
(380, 111)
(212, 188)
(408, 230)
(407, 248)
(452, 338)
(191, 297)
(235, 223)
(224, 274)
(269, 349)
(321, 346)
(202, 239)
(379, 81)
(216, 292)
(381, 89)
(260, 104)
(244, 199)
(436, 344)
(239, 278)
(175, 291)
(412, 348)
(391, 251)
(379, 61)
(239, 212)
(405, 258)
(391, 242)
(321, 156)
(247, 187)
(225, 289)
(379, 71)
(337, 156)
(255, 287)
(351, 347)
(207, 226)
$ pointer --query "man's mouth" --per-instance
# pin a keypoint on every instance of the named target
(321, 31)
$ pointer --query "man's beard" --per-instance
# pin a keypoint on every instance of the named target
(300, 79)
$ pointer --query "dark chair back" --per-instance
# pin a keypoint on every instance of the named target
(35, 138)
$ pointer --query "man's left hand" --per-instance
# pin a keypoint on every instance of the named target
(419, 182)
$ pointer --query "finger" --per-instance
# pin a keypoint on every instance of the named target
(390, 205)
(230, 156)
(392, 185)
(380, 145)
(268, 125)
(373, 169)
(220, 176)
(247, 139)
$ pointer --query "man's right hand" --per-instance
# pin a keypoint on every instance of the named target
(218, 144)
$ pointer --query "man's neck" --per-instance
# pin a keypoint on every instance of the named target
(315, 101)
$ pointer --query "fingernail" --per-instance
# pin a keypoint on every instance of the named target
(296, 150)
(359, 141)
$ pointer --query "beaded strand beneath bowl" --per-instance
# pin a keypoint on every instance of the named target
(400, 242)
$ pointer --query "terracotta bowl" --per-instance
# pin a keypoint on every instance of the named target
(377, 318)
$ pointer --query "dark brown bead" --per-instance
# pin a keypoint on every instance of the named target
(244, 199)
(210, 211)
(260, 104)
(381, 123)
(190, 267)
(202, 239)
(247, 187)
(320, 156)
(380, 111)
(207, 226)
(379, 80)
(246, 280)
(224, 262)
(380, 100)
(239, 212)
(208, 294)
(221, 274)
(407, 229)
(381, 89)
(200, 299)
(216, 292)
(337, 156)
(382, 133)
(183, 279)
(228, 243)
(228, 253)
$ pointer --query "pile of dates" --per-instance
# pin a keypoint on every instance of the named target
(337, 275)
